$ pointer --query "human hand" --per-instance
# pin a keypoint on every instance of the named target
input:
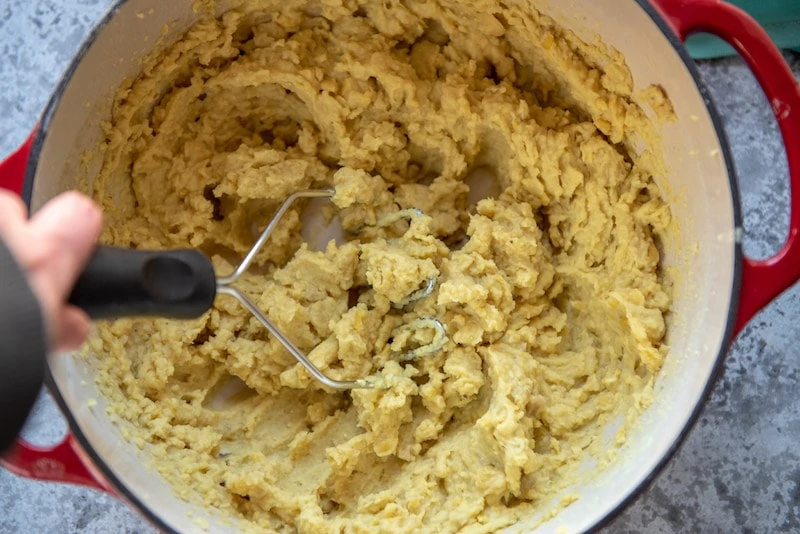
(52, 249)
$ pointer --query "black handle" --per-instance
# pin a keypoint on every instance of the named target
(123, 282)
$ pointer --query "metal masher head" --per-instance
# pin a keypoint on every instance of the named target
(225, 286)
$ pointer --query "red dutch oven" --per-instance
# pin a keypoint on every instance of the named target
(720, 288)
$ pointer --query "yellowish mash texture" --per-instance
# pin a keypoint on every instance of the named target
(550, 290)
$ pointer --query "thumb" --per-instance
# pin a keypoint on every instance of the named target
(67, 228)
(12, 210)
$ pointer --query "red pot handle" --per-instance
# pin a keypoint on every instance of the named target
(63, 462)
(12, 169)
(60, 463)
(762, 280)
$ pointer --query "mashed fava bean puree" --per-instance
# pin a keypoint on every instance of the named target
(550, 287)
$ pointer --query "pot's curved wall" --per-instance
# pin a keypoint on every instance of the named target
(701, 256)
(69, 159)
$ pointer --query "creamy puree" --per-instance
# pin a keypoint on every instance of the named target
(550, 290)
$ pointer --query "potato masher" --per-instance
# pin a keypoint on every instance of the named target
(181, 284)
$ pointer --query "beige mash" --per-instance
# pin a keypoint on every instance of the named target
(550, 289)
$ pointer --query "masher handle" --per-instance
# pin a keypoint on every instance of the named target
(124, 282)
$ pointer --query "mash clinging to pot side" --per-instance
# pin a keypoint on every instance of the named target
(550, 290)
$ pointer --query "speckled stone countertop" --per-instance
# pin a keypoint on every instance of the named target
(739, 469)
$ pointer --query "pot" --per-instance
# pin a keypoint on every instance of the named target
(720, 289)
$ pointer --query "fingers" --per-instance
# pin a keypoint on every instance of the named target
(67, 229)
(53, 248)
(71, 329)
(13, 212)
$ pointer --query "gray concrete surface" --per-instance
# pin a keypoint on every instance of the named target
(738, 471)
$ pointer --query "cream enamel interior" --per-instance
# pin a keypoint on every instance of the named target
(703, 253)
